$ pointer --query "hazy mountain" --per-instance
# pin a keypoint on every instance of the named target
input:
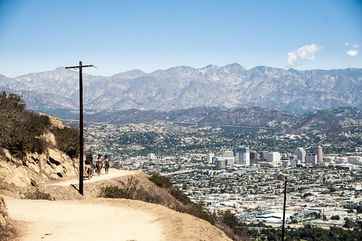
(203, 116)
(185, 87)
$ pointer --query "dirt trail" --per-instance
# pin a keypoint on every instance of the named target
(83, 220)
(113, 173)
(95, 219)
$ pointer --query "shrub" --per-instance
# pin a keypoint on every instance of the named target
(164, 182)
(194, 209)
(128, 190)
(37, 195)
(67, 140)
(160, 181)
(198, 210)
(20, 129)
(180, 196)
(335, 217)
(113, 192)
(229, 219)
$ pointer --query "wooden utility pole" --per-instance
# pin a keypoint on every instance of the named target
(81, 138)
(284, 206)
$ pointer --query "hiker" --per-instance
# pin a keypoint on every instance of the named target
(99, 164)
(106, 164)
(88, 167)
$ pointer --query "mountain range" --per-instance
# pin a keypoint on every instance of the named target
(183, 87)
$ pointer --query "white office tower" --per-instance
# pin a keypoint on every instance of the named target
(151, 156)
(210, 157)
(272, 157)
(319, 152)
(242, 156)
(301, 154)
(228, 156)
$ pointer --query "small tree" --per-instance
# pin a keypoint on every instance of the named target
(335, 217)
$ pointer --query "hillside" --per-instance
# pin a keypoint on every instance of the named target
(38, 156)
(183, 87)
(33, 147)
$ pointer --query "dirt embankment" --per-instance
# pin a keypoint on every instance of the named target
(34, 169)
(143, 188)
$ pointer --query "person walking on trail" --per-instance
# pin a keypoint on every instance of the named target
(106, 164)
(99, 164)
(89, 165)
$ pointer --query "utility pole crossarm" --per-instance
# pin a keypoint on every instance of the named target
(78, 66)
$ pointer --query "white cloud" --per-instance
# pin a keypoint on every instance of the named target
(353, 49)
(352, 52)
(306, 52)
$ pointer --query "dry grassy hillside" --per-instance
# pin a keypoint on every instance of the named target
(34, 147)
(33, 168)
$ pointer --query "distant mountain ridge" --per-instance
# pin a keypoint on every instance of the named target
(184, 87)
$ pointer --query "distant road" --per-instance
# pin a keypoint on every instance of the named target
(178, 172)
(233, 126)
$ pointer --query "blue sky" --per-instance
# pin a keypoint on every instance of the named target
(148, 35)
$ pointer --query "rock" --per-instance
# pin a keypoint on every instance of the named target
(49, 138)
(56, 122)
(34, 168)
(3, 213)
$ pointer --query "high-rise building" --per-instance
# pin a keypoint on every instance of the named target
(319, 153)
(152, 156)
(301, 154)
(242, 155)
(211, 157)
(228, 156)
(273, 158)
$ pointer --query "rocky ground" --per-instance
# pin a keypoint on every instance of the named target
(7, 230)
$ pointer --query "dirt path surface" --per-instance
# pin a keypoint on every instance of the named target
(83, 220)
(96, 219)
